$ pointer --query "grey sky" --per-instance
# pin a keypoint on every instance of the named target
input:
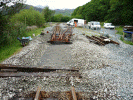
(58, 4)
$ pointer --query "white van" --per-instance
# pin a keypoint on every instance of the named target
(79, 22)
(94, 25)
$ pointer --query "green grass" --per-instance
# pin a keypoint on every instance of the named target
(9, 50)
(119, 30)
(36, 32)
(126, 42)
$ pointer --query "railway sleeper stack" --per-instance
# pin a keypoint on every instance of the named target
(101, 40)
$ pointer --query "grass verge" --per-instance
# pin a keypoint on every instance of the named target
(36, 32)
(120, 32)
(126, 42)
(9, 50)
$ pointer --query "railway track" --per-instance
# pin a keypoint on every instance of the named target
(43, 95)
(8, 70)
(61, 36)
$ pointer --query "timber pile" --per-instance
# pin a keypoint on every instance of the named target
(101, 40)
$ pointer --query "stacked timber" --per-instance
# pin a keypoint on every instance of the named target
(101, 40)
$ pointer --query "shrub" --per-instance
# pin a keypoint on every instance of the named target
(29, 17)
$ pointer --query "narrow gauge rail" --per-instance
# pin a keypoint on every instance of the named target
(43, 95)
(8, 70)
(60, 36)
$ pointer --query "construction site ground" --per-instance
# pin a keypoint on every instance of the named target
(107, 71)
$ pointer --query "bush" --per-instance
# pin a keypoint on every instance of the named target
(29, 17)
(60, 18)
(11, 33)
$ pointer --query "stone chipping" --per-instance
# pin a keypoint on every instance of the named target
(106, 71)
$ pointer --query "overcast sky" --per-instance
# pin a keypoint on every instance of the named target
(58, 4)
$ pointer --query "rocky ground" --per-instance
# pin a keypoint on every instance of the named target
(106, 71)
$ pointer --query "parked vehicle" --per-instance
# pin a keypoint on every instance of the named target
(77, 22)
(94, 25)
(109, 26)
(70, 23)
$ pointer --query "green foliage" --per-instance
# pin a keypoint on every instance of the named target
(127, 42)
(118, 12)
(48, 14)
(29, 17)
(65, 19)
(16, 25)
(66, 12)
(9, 49)
(36, 32)
(119, 30)
(11, 32)
(60, 18)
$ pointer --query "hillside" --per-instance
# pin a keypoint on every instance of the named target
(64, 12)
(118, 12)
(36, 8)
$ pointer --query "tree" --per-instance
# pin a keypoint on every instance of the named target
(7, 9)
(118, 12)
(48, 14)
(29, 17)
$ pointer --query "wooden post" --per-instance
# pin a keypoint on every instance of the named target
(73, 93)
(38, 93)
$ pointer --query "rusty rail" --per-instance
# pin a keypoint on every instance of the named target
(60, 36)
(7, 70)
(73, 93)
(19, 68)
(38, 94)
(37, 97)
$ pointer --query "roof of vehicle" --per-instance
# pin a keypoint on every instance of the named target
(77, 19)
(94, 21)
(107, 23)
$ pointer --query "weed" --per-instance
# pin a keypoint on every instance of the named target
(127, 42)
(10, 49)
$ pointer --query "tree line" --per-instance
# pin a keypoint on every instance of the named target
(50, 16)
(16, 18)
(119, 12)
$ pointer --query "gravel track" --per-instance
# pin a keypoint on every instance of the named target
(106, 71)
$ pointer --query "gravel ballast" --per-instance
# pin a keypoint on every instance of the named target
(106, 71)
